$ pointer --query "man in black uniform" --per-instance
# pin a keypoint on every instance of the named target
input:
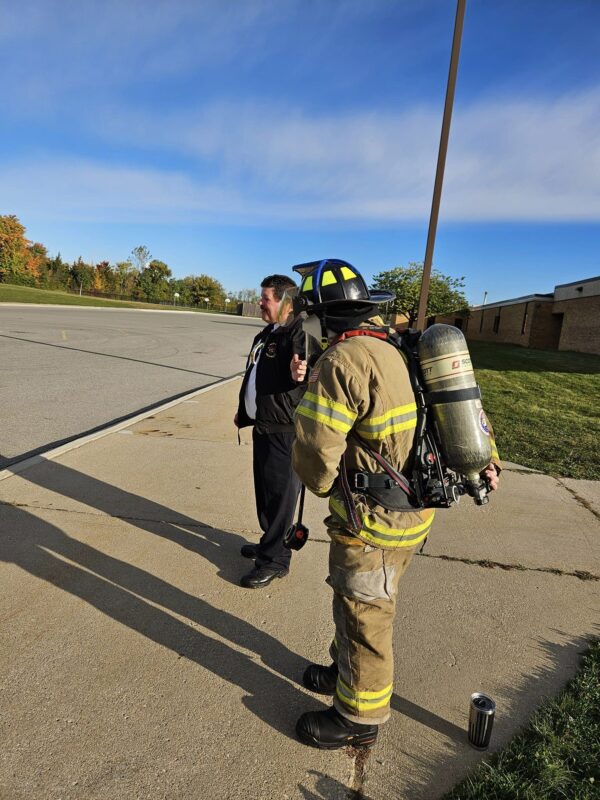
(267, 401)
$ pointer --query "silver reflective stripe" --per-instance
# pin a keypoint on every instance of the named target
(328, 412)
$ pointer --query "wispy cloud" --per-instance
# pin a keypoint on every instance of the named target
(532, 160)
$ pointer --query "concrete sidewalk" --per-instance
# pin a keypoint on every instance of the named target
(133, 665)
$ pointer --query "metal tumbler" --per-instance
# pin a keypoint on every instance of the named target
(481, 720)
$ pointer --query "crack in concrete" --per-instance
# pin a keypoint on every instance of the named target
(579, 499)
(125, 517)
(581, 574)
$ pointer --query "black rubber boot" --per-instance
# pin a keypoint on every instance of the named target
(329, 730)
(320, 679)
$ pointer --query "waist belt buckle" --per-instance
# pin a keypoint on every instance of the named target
(361, 481)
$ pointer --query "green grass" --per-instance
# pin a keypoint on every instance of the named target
(544, 407)
(10, 293)
(556, 757)
(27, 294)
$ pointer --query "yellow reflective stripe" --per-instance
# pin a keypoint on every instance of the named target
(328, 278)
(347, 274)
(401, 418)
(362, 701)
(381, 536)
(494, 448)
(323, 418)
(325, 402)
(395, 427)
(308, 284)
(394, 412)
(327, 412)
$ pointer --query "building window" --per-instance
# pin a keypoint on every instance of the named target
(497, 320)
(524, 319)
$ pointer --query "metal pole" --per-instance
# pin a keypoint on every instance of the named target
(441, 163)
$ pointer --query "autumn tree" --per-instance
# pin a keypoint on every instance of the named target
(81, 276)
(35, 265)
(126, 277)
(140, 257)
(445, 293)
(153, 282)
(14, 252)
(56, 273)
(104, 278)
(203, 286)
(182, 287)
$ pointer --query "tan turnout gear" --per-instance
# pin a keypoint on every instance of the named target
(361, 385)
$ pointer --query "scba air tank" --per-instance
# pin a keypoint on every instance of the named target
(452, 392)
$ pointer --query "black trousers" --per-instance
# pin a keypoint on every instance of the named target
(276, 488)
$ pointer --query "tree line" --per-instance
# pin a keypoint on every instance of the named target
(139, 277)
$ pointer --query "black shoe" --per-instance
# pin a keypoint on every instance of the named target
(262, 576)
(320, 679)
(329, 730)
(249, 550)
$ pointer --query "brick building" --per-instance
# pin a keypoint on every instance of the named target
(566, 319)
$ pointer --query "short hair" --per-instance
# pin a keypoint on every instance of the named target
(279, 283)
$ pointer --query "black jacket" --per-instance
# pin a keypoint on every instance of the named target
(277, 395)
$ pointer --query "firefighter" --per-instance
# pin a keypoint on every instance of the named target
(360, 385)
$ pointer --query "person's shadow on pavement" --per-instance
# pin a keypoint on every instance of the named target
(127, 593)
(219, 547)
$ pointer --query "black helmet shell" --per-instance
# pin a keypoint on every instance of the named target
(333, 282)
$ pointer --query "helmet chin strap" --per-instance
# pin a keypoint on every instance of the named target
(324, 327)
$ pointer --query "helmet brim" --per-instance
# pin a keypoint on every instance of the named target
(374, 299)
(381, 297)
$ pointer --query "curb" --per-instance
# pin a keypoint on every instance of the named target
(73, 444)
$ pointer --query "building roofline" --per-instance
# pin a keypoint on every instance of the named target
(576, 283)
(528, 298)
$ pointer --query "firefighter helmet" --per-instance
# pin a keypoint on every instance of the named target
(333, 283)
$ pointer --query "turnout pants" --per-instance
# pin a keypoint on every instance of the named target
(364, 580)
(276, 488)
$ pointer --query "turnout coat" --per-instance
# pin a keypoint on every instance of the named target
(360, 384)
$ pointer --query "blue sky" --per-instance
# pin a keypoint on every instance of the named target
(239, 137)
